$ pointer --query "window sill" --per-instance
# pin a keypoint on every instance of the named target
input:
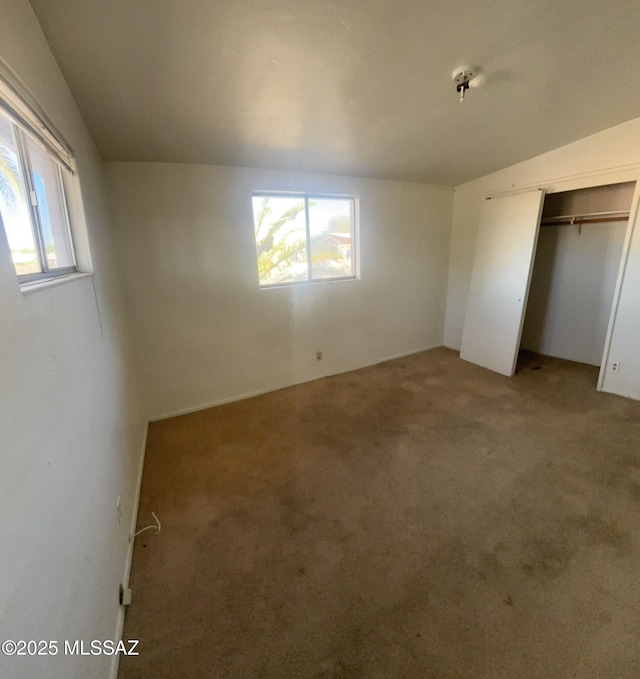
(35, 286)
(316, 281)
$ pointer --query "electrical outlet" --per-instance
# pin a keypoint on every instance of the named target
(615, 366)
(125, 596)
(318, 355)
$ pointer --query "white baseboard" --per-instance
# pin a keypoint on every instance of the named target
(213, 404)
(634, 397)
(115, 662)
(251, 394)
(402, 355)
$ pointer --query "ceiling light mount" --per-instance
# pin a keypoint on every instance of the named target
(465, 77)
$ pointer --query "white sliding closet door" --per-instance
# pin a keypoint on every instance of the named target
(502, 267)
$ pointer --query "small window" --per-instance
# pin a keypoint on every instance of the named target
(33, 206)
(304, 237)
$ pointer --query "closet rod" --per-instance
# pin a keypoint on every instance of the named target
(593, 218)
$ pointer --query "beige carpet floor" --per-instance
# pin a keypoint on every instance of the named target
(419, 518)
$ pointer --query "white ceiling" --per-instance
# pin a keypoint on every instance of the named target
(360, 87)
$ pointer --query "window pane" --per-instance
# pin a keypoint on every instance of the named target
(13, 203)
(281, 239)
(53, 219)
(331, 228)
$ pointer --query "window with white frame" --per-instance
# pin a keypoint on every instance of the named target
(33, 205)
(304, 237)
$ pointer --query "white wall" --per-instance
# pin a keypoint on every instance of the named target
(70, 424)
(569, 167)
(205, 331)
(572, 286)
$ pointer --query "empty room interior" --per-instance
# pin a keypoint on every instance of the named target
(319, 339)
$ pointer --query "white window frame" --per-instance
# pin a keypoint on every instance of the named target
(28, 120)
(355, 244)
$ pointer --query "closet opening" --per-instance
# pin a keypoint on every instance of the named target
(577, 259)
